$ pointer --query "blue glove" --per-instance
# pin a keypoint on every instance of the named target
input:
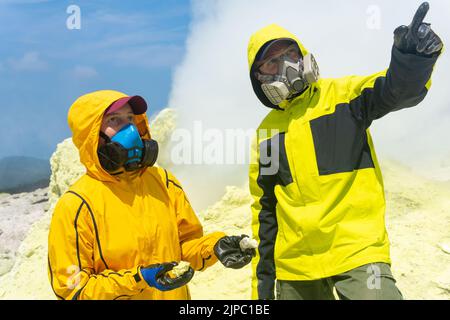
(156, 276)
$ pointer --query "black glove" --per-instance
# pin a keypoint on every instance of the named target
(229, 252)
(418, 38)
(156, 276)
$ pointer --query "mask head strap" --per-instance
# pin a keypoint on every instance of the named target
(105, 136)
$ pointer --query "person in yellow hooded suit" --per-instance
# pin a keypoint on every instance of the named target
(119, 230)
(319, 204)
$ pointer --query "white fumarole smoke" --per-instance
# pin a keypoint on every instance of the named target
(212, 83)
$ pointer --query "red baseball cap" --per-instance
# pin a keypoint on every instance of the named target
(137, 104)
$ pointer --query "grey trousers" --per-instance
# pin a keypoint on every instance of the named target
(369, 282)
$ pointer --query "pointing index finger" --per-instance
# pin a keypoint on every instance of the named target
(419, 16)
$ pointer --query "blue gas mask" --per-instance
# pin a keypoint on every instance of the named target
(126, 149)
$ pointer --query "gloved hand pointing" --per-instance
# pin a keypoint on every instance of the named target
(156, 275)
(418, 37)
(229, 252)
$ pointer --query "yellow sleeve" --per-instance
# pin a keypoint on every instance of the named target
(196, 248)
(71, 272)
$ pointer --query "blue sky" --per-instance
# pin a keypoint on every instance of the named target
(130, 46)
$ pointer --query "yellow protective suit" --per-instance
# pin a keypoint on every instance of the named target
(323, 211)
(105, 228)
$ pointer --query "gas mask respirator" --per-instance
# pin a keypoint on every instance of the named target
(126, 149)
(293, 77)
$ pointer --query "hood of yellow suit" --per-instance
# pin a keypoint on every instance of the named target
(85, 119)
(258, 41)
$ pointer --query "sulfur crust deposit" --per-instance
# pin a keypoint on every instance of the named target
(418, 223)
(181, 268)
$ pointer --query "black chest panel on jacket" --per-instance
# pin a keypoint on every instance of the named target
(340, 142)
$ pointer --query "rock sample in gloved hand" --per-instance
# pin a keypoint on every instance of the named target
(180, 269)
(228, 251)
(247, 243)
(157, 276)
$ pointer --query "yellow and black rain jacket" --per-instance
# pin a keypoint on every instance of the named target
(104, 229)
(322, 212)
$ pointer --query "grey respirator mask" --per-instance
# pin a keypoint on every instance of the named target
(293, 77)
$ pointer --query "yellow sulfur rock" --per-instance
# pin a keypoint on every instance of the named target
(181, 268)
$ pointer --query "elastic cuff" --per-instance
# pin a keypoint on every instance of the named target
(139, 279)
(215, 237)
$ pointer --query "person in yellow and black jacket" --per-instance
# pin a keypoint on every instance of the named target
(319, 204)
(119, 230)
